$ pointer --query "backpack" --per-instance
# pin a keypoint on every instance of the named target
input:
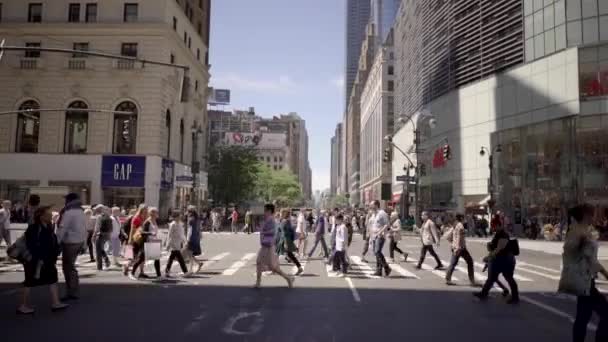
(513, 246)
(106, 224)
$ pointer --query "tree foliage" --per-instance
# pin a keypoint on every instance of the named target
(233, 171)
(338, 201)
(279, 186)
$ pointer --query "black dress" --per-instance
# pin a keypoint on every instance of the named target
(42, 243)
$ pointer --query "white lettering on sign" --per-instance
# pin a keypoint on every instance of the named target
(122, 172)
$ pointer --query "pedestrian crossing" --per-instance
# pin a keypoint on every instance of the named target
(230, 264)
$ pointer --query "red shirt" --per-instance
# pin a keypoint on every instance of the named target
(235, 216)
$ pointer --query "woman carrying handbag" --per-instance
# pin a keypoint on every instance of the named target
(579, 271)
(140, 238)
(40, 267)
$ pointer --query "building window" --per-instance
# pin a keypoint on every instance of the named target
(28, 128)
(199, 28)
(275, 167)
(76, 127)
(34, 14)
(391, 86)
(185, 37)
(198, 54)
(130, 13)
(172, 59)
(280, 159)
(174, 24)
(80, 47)
(268, 159)
(189, 42)
(196, 85)
(391, 70)
(181, 140)
(32, 53)
(0, 12)
(129, 49)
(200, 4)
(74, 13)
(91, 15)
(168, 130)
(125, 129)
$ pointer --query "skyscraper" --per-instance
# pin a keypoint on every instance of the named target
(357, 17)
(382, 15)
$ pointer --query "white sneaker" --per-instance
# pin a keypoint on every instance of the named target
(132, 277)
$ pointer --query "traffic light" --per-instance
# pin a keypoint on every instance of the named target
(447, 153)
(387, 155)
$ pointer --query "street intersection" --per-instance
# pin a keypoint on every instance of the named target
(219, 304)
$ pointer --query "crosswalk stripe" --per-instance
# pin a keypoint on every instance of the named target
(330, 271)
(237, 265)
(214, 260)
(515, 276)
(552, 270)
(402, 271)
(438, 273)
(363, 267)
(478, 276)
(549, 276)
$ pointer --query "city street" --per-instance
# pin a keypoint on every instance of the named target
(221, 305)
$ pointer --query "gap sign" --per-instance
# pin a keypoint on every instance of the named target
(123, 171)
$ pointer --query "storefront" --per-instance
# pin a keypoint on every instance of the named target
(123, 180)
(547, 167)
(166, 187)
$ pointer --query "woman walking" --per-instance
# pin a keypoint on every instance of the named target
(580, 268)
(267, 259)
(302, 233)
(148, 230)
(141, 215)
(41, 269)
(395, 236)
(289, 236)
(193, 247)
(175, 242)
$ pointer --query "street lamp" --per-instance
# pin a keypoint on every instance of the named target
(482, 152)
(423, 114)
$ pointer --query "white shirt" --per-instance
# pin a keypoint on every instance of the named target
(341, 237)
(5, 219)
(379, 220)
(301, 225)
(115, 227)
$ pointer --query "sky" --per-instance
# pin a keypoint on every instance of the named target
(283, 56)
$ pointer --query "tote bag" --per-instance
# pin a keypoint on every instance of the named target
(127, 252)
(152, 249)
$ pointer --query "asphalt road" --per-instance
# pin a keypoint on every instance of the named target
(220, 304)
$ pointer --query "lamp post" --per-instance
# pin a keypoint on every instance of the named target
(482, 152)
(421, 115)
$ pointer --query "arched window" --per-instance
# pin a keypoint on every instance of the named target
(181, 140)
(28, 127)
(125, 128)
(168, 129)
(76, 128)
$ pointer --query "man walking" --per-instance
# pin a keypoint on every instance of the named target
(234, 220)
(71, 234)
(103, 232)
(429, 237)
(5, 222)
(380, 224)
(459, 249)
(320, 235)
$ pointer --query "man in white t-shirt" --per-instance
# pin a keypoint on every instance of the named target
(379, 229)
(302, 233)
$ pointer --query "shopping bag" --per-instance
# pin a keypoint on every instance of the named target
(152, 249)
(127, 252)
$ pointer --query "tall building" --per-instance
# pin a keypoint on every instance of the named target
(521, 81)
(334, 159)
(377, 120)
(339, 161)
(382, 15)
(353, 117)
(221, 122)
(132, 133)
(357, 18)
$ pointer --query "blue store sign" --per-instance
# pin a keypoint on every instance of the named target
(123, 171)
(166, 174)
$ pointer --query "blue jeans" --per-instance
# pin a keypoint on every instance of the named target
(380, 260)
(320, 239)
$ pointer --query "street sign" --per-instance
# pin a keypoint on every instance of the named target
(403, 178)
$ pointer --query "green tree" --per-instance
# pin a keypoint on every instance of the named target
(278, 186)
(232, 174)
(338, 201)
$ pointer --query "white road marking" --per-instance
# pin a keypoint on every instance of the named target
(461, 269)
(214, 260)
(555, 311)
(549, 276)
(353, 289)
(515, 276)
(397, 268)
(255, 327)
(438, 273)
(237, 265)
(330, 271)
(363, 267)
(547, 269)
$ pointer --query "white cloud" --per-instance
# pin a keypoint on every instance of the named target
(337, 82)
(238, 82)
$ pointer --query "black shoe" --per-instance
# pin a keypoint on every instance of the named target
(91, 261)
(439, 267)
(513, 300)
(378, 274)
(69, 297)
(449, 283)
(144, 276)
(505, 293)
(387, 272)
(418, 267)
(480, 296)
(59, 307)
